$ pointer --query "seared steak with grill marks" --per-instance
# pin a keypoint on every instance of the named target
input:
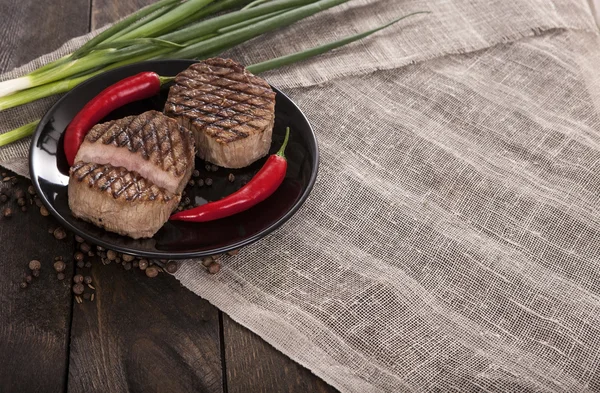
(151, 144)
(118, 200)
(230, 111)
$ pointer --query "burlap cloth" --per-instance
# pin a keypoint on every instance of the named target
(452, 241)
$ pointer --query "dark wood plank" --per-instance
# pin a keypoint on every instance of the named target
(34, 322)
(143, 335)
(252, 365)
(108, 11)
(30, 28)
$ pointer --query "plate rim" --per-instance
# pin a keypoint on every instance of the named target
(169, 255)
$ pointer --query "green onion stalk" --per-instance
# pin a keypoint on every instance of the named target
(136, 42)
(66, 85)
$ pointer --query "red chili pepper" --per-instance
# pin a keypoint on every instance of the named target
(133, 88)
(262, 185)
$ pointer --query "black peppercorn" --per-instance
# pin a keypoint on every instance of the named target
(78, 288)
(152, 271)
(60, 233)
(111, 255)
(88, 264)
(214, 268)
(34, 264)
(77, 278)
(21, 202)
(231, 177)
(208, 181)
(85, 248)
(127, 265)
(35, 273)
(19, 193)
(60, 276)
(143, 264)
(171, 267)
(87, 279)
(44, 212)
(128, 258)
(79, 256)
(31, 190)
(23, 285)
(28, 279)
(59, 266)
(7, 212)
(3, 198)
(79, 239)
(80, 264)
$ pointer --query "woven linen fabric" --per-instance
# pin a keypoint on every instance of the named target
(452, 241)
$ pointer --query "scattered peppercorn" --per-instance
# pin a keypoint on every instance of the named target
(196, 173)
(3, 198)
(58, 258)
(143, 264)
(207, 167)
(23, 209)
(233, 252)
(38, 202)
(214, 168)
(31, 190)
(136, 263)
(87, 279)
(44, 212)
(206, 261)
(85, 248)
(208, 181)
(77, 278)
(21, 202)
(7, 212)
(34, 264)
(80, 264)
(28, 279)
(35, 273)
(152, 271)
(111, 255)
(90, 253)
(100, 248)
(191, 183)
(128, 258)
(214, 268)
(60, 233)
(79, 256)
(60, 276)
(23, 285)
(79, 239)
(59, 266)
(14, 181)
(127, 265)
(78, 288)
(200, 182)
(231, 177)
(117, 260)
(171, 267)
(88, 264)
(19, 193)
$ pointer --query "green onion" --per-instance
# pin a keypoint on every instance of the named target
(164, 21)
(136, 16)
(18, 133)
(245, 33)
(303, 55)
(66, 85)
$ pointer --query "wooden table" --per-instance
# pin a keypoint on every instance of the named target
(139, 334)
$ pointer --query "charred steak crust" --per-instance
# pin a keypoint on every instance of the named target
(118, 182)
(221, 98)
(154, 136)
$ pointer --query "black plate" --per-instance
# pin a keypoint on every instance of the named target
(49, 172)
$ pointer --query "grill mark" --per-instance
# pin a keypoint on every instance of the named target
(266, 91)
(221, 117)
(197, 120)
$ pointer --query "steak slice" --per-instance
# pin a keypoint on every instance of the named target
(230, 111)
(118, 200)
(151, 144)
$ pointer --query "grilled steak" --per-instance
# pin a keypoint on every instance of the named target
(151, 144)
(118, 200)
(230, 111)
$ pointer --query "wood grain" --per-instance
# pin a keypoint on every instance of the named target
(30, 28)
(108, 11)
(143, 335)
(34, 322)
(252, 365)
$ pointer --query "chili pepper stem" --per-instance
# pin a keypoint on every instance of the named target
(166, 79)
(285, 142)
